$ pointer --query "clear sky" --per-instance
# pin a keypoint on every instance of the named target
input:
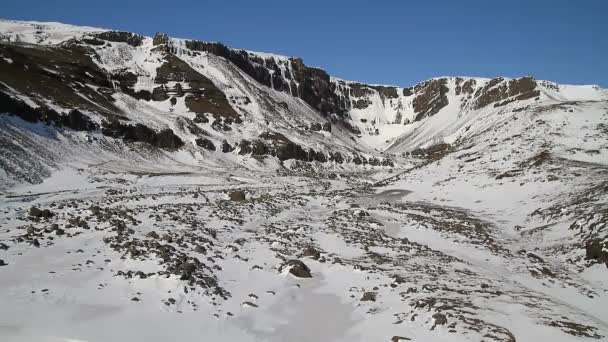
(389, 42)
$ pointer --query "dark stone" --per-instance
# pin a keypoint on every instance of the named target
(368, 297)
(226, 147)
(440, 319)
(237, 196)
(205, 143)
(3, 263)
(594, 250)
(297, 268)
(400, 338)
(310, 251)
(35, 212)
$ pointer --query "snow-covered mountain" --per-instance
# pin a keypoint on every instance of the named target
(229, 194)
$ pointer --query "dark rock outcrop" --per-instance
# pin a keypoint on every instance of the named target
(121, 37)
(141, 133)
(500, 93)
(431, 97)
(310, 84)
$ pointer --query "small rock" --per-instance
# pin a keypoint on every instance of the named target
(400, 338)
(311, 252)
(2, 263)
(135, 299)
(31, 230)
(369, 297)
(152, 235)
(237, 196)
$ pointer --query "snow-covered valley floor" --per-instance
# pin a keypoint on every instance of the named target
(171, 257)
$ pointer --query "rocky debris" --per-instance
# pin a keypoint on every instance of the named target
(141, 133)
(205, 143)
(297, 268)
(368, 297)
(250, 304)
(45, 213)
(237, 196)
(434, 152)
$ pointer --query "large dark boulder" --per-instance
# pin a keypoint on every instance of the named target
(226, 147)
(36, 212)
(297, 268)
(596, 250)
(205, 143)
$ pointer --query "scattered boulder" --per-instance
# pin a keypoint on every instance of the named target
(594, 250)
(36, 212)
(205, 143)
(400, 338)
(440, 319)
(3, 263)
(297, 268)
(368, 297)
(311, 252)
(237, 196)
(226, 147)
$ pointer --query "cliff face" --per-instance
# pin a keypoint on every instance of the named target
(206, 91)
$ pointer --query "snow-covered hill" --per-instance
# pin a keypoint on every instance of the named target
(157, 188)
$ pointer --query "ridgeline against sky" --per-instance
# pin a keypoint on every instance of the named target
(393, 42)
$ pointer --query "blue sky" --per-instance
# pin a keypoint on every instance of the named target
(390, 42)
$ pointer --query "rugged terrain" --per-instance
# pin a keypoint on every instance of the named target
(158, 189)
